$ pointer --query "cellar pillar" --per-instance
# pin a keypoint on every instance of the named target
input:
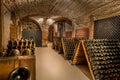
(91, 27)
(73, 29)
(20, 30)
(15, 27)
(64, 29)
(1, 24)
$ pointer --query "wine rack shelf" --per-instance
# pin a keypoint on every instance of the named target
(61, 48)
(21, 46)
(69, 46)
(103, 58)
(101, 55)
(56, 43)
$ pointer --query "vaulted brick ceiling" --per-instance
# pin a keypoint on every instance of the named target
(79, 10)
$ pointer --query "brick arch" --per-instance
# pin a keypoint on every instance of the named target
(59, 20)
(31, 20)
(62, 19)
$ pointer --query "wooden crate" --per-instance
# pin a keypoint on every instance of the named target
(7, 64)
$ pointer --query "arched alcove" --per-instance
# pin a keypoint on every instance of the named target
(30, 29)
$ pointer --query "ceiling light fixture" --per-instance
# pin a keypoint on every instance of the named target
(50, 21)
(40, 20)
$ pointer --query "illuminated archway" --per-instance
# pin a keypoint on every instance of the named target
(60, 28)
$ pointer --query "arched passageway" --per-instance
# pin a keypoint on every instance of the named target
(62, 27)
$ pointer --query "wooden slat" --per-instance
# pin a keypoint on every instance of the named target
(76, 52)
(8, 64)
(79, 56)
(63, 47)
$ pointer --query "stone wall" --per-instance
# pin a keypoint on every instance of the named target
(7, 23)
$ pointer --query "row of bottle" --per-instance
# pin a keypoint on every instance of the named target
(102, 40)
(107, 63)
(21, 43)
(104, 58)
(104, 47)
(107, 76)
(20, 47)
(70, 45)
(56, 43)
(102, 54)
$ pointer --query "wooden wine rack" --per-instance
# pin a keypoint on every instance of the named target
(68, 47)
(103, 62)
(88, 60)
(61, 48)
(56, 43)
(101, 55)
(20, 45)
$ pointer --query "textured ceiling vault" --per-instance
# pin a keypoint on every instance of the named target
(79, 10)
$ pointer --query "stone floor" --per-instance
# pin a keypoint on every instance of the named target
(52, 66)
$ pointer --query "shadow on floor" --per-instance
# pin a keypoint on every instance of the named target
(83, 67)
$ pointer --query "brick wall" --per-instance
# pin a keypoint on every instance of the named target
(82, 32)
(68, 34)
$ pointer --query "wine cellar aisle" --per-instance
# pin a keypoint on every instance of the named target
(59, 39)
(52, 66)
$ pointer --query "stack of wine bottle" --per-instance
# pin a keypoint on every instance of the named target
(61, 48)
(104, 57)
(20, 47)
(70, 45)
(56, 43)
(76, 40)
